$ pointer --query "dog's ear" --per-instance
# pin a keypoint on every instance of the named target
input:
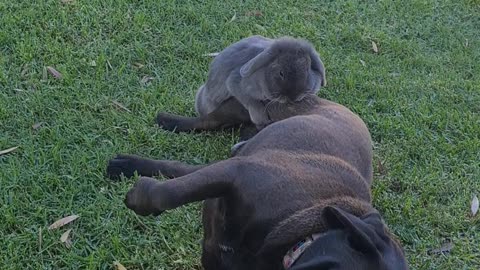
(367, 234)
(361, 235)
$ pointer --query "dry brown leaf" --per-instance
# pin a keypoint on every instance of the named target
(138, 65)
(146, 79)
(109, 65)
(62, 222)
(44, 74)
(261, 28)
(211, 54)
(234, 17)
(474, 206)
(119, 266)
(6, 151)
(374, 47)
(380, 167)
(65, 238)
(24, 70)
(121, 106)
(65, 235)
(54, 72)
(255, 13)
(445, 248)
(40, 239)
(37, 125)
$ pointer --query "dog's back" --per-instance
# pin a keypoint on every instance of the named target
(319, 155)
(316, 127)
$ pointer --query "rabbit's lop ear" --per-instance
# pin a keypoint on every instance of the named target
(258, 61)
(317, 65)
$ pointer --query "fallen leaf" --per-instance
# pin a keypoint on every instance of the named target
(261, 28)
(6, 151)
(255, 13)
(211, 54)
(109, 65)
(44, 74)
(363, 63)
(138, 65)
(119, 266)
(37, 125)
(54, 72)
(24, 70)
(374, 47)
(121, 106)
(40, 239)
(146, 79)
(474, 206)
(445, 248)
(65, 238)
(92, 63)
(380, 167)
(62, 222)
(234, 17)
(65, 235)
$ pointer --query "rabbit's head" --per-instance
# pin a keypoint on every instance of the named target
(291, 67)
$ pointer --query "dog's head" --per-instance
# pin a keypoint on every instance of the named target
(352, 243)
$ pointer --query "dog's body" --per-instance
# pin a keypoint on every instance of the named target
(299, 176)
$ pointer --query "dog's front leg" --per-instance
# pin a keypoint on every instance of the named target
(129, 164)
(149, 196)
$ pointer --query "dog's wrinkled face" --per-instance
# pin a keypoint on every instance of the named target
(353, 243)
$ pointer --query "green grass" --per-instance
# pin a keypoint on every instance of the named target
(420, 96)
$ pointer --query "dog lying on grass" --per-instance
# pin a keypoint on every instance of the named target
(295, 196)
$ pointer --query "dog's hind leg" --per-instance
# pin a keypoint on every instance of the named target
(150, 196)
(129, 164)
(230, 113)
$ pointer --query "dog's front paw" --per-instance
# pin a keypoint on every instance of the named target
(139, 198)
(168, 121)
(123, 164)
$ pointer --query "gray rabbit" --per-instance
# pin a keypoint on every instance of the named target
(246, 77)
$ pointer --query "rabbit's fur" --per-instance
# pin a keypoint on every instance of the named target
(254, 71)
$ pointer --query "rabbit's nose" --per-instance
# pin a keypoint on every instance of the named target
(293, 95)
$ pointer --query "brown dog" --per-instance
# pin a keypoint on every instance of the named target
(302, 182)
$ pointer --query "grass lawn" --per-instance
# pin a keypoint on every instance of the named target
(419, 95)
